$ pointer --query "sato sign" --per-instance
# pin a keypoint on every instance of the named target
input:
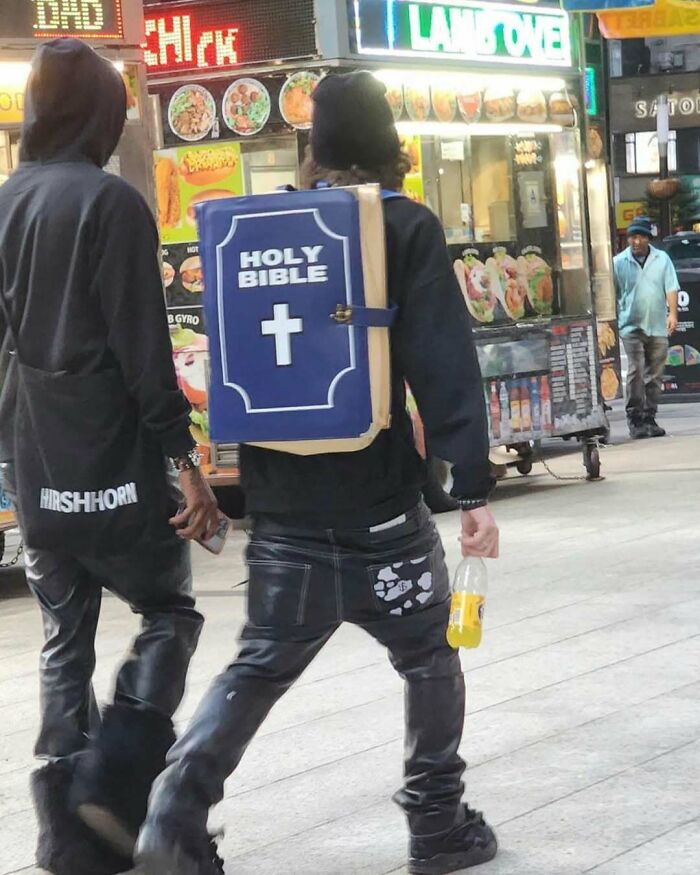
(281, 367)
(464, 30)
(46, 19)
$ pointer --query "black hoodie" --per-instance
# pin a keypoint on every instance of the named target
(79, 267)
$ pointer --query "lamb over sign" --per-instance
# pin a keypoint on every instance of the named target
(465, 30)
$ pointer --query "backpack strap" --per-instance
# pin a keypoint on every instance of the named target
(365, 317)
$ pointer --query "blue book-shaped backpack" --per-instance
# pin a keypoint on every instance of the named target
(298, 318)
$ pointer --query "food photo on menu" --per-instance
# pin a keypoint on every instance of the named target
(189, 175)
(503, 288)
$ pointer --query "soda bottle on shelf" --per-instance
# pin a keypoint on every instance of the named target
(468, 601)
(505, 412)
(495, 409)
(525, 408)
(515, 416)
(546, 403)
(535, 405)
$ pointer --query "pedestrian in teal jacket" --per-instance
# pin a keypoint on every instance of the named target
(647, 297)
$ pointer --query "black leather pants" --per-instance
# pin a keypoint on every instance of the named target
(157, 584)
(303, 584)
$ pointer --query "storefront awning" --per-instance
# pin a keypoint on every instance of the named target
(602, 5)
(664, 18)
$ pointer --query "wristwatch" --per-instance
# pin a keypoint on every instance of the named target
(188, 462)
(472, 503)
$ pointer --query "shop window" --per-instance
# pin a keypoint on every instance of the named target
(654, 55)
(642, 152)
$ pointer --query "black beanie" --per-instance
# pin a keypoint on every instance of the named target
(353, 123)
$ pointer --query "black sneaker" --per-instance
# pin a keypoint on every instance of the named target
(469, 844)
(653, 428)
(638, 430)
(156, 856)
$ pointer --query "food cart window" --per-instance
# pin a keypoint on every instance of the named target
(468, 181)
(575, 289)
(269, 163)
(492, 190)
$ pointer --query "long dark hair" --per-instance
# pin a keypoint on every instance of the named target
(389, 176)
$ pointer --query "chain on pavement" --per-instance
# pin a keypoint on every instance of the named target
(15, 558)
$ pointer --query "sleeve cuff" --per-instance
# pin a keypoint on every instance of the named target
(178, 444)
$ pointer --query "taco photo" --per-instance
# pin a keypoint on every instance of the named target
(477, 286)
(509, 283)
(537, 275)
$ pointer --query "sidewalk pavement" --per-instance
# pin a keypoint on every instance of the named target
(583, 732)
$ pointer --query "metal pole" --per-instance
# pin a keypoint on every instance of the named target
(662, 137)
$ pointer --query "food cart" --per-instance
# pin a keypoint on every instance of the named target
(489, 101)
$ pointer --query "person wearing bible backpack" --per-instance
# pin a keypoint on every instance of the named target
(345, 536)
(94, 435)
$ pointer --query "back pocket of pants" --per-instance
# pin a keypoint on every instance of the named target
(410, 585)
(277, 592)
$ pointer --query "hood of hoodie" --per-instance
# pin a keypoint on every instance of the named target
(75, 105)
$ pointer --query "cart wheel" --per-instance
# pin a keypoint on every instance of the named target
(591, 460)
(524, 466)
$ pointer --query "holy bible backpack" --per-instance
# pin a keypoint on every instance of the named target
(298, 319)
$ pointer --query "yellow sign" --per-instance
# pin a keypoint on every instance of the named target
(13, 79)
(626, 211)
(664, 18)
(413, 184)
(189, 175)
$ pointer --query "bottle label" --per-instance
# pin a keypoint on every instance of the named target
(467, 609)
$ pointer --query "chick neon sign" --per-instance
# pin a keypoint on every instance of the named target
(182, 41)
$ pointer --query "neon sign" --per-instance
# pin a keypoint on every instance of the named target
(180, 41)
(223, 34)
(463, 30)
(42, 19)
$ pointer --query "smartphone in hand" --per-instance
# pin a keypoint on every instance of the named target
(216, 543)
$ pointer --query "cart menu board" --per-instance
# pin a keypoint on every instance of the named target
(574, 379)
(682, 374)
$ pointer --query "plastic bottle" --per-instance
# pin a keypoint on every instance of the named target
(495, 408)
(505, 412)
(535, 404)
(546, 403)
(515, 420)
(525, 409)
(468, 600)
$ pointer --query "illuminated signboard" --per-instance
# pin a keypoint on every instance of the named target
(227, 34)
(44, 19)
(462, 30)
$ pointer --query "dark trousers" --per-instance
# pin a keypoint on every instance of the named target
(646, 358)
(303, 585)
(156, 582)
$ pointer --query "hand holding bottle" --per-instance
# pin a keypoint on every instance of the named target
(480, 534)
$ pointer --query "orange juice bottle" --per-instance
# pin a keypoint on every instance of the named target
(468, 601)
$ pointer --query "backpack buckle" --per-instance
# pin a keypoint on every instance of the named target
(342, 315)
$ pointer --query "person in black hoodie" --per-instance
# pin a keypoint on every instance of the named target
(82, 297)
(345, 537)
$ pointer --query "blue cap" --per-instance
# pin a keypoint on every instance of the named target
(640, 225)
